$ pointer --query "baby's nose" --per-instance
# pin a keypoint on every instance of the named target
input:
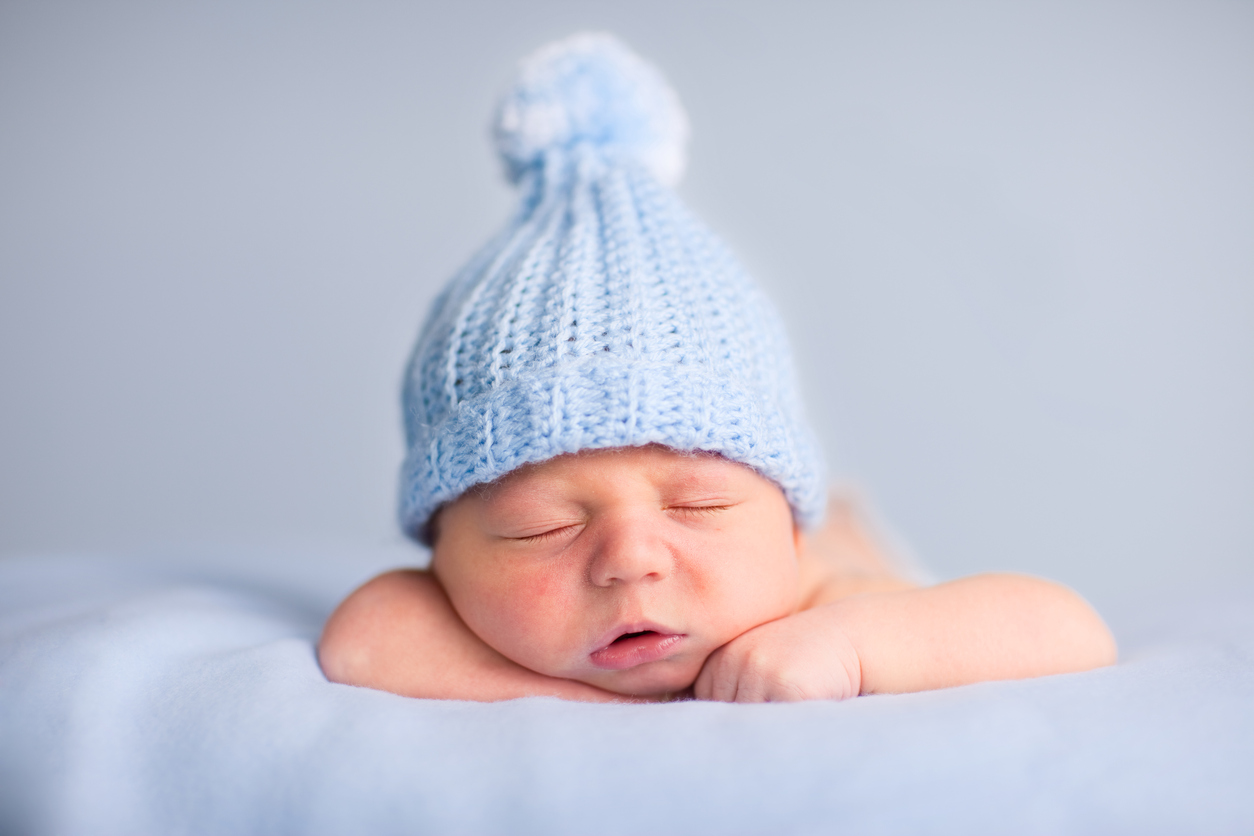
(629, 552)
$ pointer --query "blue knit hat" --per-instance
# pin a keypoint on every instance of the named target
(605, 314)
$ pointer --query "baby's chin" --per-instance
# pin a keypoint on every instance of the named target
(662, 680)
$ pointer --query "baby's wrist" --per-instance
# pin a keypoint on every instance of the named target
(850, 660)
(842, 652)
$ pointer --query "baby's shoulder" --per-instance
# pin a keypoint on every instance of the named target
(846, 557)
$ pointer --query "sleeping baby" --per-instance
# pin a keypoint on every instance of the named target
(608, 457)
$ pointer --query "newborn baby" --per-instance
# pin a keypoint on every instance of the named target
(609, 459)
(643, 572)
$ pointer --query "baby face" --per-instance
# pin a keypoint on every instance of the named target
(620, 568)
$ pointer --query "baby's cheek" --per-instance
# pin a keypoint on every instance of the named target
(530, 615)
(766, 587)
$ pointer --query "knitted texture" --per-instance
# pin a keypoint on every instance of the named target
(605, 314)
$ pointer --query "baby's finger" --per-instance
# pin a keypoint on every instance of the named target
(717, 680)
(754, 685)
(702, 687)
(784, 691)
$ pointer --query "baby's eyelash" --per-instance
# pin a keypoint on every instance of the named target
(700, 510)
(543, 535)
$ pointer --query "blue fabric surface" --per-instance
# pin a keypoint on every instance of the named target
(140, 698)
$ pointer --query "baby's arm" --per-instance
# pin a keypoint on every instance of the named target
(399, 633)
(978, 628)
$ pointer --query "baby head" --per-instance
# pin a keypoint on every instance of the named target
(602, 404)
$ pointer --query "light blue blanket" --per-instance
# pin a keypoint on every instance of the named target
(138, 697)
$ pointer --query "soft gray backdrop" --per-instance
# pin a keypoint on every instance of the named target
(1015, 243)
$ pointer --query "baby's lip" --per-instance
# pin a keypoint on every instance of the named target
(638, 643)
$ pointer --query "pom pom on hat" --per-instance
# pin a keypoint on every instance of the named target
(590, 89)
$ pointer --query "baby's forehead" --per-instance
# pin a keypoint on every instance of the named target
(655, 463)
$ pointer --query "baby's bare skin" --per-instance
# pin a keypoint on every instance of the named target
(534, 578)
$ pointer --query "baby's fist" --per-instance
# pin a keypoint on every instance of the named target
(805, 656)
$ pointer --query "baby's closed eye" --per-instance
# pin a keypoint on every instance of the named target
(698, 510)
(566, 530)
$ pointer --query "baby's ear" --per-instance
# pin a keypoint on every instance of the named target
(798, 538)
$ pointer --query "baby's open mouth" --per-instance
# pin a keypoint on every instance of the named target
(626, 636)
(636, 647)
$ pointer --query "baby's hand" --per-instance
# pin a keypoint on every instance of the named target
(805, 656)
